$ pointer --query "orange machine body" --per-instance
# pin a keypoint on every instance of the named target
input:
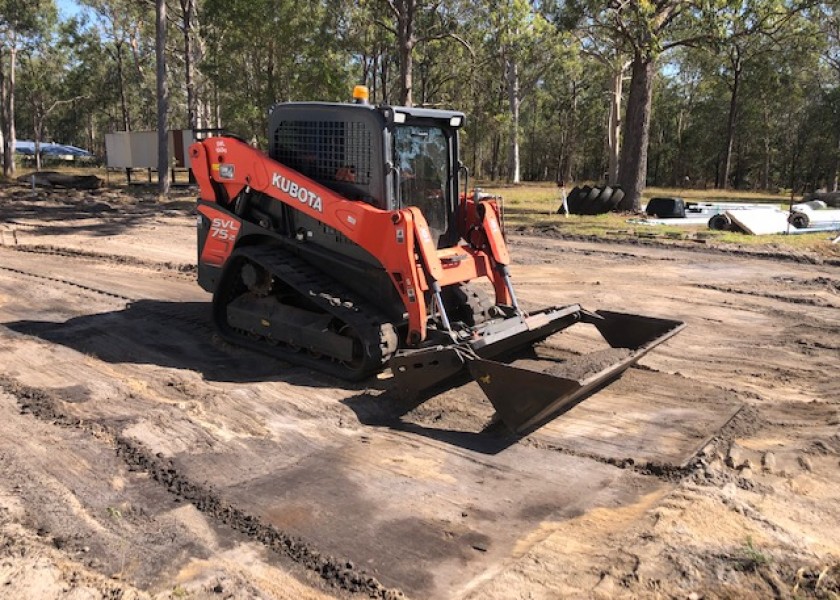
(400, 240)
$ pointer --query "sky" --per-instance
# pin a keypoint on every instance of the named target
(68, 8)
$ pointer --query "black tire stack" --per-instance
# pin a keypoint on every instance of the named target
(587, 200)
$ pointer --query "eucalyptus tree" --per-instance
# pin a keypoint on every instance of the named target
(162, 97)
(747, 31)
(20, 22)
(778, 99)
(191, 54)
(829, 25)
(527, 47)
(414, 22)
(647, 30)
(44, 69)
(126, 32)
(611, 52)
(261, 52)
(370, 48)
(89, 78)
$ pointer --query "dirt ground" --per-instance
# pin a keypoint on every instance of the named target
(143, 457)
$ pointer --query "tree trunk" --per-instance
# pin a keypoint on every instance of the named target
(217, 106)
(567, 169)
(679, 178)
(9, 113)
(835, 167)
(514, 103)
(374, 89)
(614, 131)
(120, 77)
(91, 131)
(3, 115)
(730, 126)
(636, 132)
(163, 97)
(494, 160)
(405, 42)
(768, 148)
(188, 7)
(38, 130)
(383, 79)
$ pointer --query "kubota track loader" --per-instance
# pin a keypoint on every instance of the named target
(352, 247)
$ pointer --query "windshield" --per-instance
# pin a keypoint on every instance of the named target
(422, 155)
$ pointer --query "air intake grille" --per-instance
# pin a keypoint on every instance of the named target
(325, 151)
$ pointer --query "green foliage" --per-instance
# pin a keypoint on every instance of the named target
(25, 19)
(263, 52)
(753, 558)
(94, 74)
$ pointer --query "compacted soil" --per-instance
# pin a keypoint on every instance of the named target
(143, 457)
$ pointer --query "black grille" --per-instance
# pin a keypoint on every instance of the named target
(325, 151)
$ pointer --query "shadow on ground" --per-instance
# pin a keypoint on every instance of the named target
(180, 335)
(96, 212)
(177, 335)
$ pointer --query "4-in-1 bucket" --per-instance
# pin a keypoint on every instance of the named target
(527, 397)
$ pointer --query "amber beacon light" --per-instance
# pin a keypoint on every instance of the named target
(361, 94)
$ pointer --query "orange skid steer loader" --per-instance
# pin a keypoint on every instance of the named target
(353, 246)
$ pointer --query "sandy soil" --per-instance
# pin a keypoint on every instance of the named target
(141, 456)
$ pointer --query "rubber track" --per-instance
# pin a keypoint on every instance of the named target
(378, 334)
(478, 302)
(180, 316)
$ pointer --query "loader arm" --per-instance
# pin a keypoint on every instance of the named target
(400, 239)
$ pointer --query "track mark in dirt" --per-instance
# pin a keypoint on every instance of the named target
(336, 572)
(552, 232)
(612, 254)
(103, 257)
(177, 314)
(824, 283)
(67, 282)
(809, 301)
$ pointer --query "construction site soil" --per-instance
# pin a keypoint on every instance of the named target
(143, 457)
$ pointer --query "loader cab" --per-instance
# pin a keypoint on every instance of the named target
(390, 157)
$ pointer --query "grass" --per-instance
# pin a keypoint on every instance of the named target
(535, 206)
(752, 558)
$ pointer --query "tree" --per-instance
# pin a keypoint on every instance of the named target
(265, 51)
(188, 29)
(830, 27)
(647, 29)
(125, 34)
(18, 21)
(162, 97)
(749, 31)
(416, 22)
(43, 70)
(526, 50)
(612, 54)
